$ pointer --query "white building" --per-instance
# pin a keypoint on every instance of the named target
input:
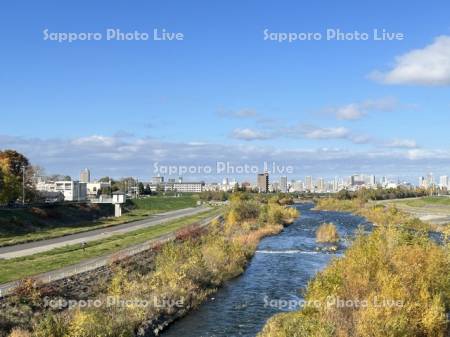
(186, 187)
(96, 186)
(309, 184)
(298, 186)
(443, 182)
(72, 190)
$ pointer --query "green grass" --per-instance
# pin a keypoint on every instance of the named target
(162, 203)
(18, 268)
(22, 225)
(428, 201)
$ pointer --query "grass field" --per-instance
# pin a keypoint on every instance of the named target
(161, 204)
(433, 210)
(18, 268)
(428, 201)
(25, 225)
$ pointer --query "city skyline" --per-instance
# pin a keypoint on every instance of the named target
(322, 107)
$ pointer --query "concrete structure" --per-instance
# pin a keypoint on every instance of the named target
(118, 199)
(95, 187)
(72, 190)
(85, 176)
(262, 182)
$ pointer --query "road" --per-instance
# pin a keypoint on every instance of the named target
(35, 247)
(97, 262)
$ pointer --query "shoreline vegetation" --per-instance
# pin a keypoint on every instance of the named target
(327, 233)
(392, 282)
(185, 272)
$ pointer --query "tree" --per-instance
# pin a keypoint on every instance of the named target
(147, 190)
(14, 167)
(141, 188)
(14, 161)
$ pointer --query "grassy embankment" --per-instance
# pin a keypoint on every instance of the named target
(50, 221)
(21, 267)
(428, 201)
(185, 272)
(392, 282)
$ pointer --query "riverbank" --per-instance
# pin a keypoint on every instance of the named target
(273, 280)
(47, 221)
(392, 282)
(184, 272)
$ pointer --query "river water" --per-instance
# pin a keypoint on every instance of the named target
(281, 268)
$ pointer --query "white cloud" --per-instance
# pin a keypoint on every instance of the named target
(427, 66)
(249, 134)
(325, 133)
(120, 157)
(357, 110)
(243, 113)
(349, 112)
(402, 143)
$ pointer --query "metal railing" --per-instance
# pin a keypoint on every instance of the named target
(101, 261)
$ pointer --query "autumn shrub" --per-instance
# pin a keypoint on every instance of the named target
(187, 269)
(27, 291)
(401, 282)
(51, 325)
(327, 233)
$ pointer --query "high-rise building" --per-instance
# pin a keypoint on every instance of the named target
(308, 183)
(283, 184)
(321, 185)
(443, 182)
(430, 179)
(85, 176)
(262, 182)
(298, 186)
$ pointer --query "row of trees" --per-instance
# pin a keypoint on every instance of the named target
(366, 194)
(126, 184)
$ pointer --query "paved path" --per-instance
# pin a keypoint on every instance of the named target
(97, 262)
(34, 247)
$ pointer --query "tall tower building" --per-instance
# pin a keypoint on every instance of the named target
(262, 182)
(283, 184)
(321, 185)
(85, 176)
(443, 182)
(308, 183)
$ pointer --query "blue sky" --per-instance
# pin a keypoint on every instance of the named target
(224, 93)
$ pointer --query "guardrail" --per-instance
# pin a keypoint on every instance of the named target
(101, 261)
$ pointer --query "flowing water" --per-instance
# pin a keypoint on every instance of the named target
(282, 266)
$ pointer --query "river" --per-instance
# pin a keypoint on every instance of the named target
(282, 266)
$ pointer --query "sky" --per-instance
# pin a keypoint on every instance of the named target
(230, 91)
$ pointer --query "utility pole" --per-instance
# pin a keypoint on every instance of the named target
(23, 185)
(137, 188)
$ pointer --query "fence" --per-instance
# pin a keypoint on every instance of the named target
(99, 262)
